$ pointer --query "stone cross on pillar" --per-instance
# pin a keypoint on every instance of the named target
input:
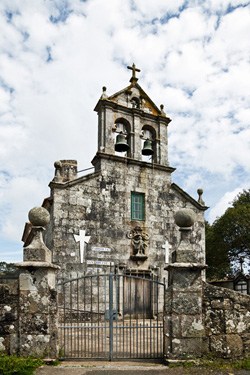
(82, 239)
(167, 248)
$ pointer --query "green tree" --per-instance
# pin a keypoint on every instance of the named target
(7, 268)
(217, 260)
(229, 236)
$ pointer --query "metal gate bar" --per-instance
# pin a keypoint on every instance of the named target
(111, 316)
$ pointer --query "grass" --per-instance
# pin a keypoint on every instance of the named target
(13, 365)
(243, 364)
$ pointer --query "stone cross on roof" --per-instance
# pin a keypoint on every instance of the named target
(134, 69)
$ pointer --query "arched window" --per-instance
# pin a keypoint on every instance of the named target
(122, 126)
(148, 133)
(135, 102)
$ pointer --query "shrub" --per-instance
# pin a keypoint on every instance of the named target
(13, 365)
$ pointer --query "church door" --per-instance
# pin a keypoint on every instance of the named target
(138, 297)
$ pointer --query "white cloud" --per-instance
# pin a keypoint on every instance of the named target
(156, 9)
(18, 195)
(222, 205)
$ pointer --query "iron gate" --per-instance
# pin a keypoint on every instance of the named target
(111, 316)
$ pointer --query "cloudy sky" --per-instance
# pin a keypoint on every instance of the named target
(55, 56)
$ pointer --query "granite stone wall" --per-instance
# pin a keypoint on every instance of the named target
(100, 204)
(9, 318)
(38, 312)
(226, 315)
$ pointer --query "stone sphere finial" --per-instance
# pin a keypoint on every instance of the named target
(162, 109)
(104, 93)
(200, 200)
(39, 217)
(58, 164)
(184, 218)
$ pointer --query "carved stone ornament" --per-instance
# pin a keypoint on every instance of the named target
(139, 241)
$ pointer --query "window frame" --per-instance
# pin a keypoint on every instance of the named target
(141, 203)
(241, 286)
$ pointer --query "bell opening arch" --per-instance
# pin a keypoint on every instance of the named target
(148, 144)
(122, 126)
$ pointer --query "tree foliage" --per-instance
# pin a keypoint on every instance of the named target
(228, 238)
(217, 260)
(7, 268)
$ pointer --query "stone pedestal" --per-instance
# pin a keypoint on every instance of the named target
(38, 315)
(183, 322)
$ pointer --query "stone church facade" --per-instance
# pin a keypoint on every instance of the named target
(122, 214)
(127, 217)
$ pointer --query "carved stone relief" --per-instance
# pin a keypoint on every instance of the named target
(139, 240)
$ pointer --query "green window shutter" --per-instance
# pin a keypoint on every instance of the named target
(137, 206)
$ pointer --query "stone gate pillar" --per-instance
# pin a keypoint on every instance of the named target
(38, 333)
(183, 323)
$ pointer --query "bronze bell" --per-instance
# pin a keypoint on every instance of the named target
(147, 148)
(121, 143)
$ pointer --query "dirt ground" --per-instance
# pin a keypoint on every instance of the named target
(131, 368)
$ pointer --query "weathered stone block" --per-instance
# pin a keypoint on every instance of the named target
(168, 346)
(8, 327)
(14, 344)
(186, 256)
(37, 254)
(34, 279)
(192, 326)
(186, 347)
(34, 324)
(8, 312)
(172, 325)
(186, 280)
(237, 321)
(3, 343)
(187, 303)
(221, 303)
(211, 291)
(214, 322)
(33, 302)
(246, 344)
(227, 346)
(205, 345)
(37, 344)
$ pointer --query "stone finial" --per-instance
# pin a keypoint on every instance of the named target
(104, 94)
(185, 253)
(162, 110)
(58, 167)
(37, 251)
(58, 164)
(39, 217)
(184, 218)
(200, 200)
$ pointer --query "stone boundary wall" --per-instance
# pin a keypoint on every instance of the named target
(9, 278)
(9, 318)
(226, 316)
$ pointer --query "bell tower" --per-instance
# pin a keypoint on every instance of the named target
(130, 125)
